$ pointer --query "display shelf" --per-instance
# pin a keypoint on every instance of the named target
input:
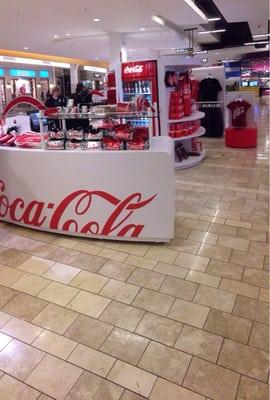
(199, 132)
(115, 115)
(193, 117)
(190, 162)
(132, 93)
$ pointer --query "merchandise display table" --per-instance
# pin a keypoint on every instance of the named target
(241, 137)
(123, 195)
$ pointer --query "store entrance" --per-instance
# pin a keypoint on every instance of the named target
(3, 92)
(23, 87)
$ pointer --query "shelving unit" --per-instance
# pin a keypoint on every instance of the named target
(193, 117)
(190, 162)
(198, 133)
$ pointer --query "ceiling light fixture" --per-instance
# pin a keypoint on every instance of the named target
(68, 34)
(26, 48)
(96, 19)
(55, 36)
(142, 29)
(196, 9)
(214, 19)
(261, 35)
(158, 20)
(254, 43)
(213, 31)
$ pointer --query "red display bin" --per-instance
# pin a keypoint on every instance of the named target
(241, 137)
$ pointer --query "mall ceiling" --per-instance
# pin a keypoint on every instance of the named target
(68, 27)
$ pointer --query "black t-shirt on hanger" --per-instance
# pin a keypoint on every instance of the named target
(209, 89)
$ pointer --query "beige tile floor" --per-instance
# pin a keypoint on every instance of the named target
(96, 320)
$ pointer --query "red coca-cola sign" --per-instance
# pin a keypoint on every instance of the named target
(139, 69)
(74, 213)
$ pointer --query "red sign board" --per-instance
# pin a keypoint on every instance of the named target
(139, 69)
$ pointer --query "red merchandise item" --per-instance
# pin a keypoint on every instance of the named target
(186, 87)
(195, 86)
(239, 109)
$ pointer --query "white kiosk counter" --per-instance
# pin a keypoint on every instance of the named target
(123, 195)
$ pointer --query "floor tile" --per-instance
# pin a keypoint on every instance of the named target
(120, 291)
(91, 360)
(217, 252)
(61, 273)
(247, 259)
(36, 265)
(116, 270)
(250, 389)
(203, 278)
(19, 359)
(133, 378)
(225, 269)
(171, 270)
(228, 325)
(179, 288)
(204, 237)
(55, 318)
(242, 288)
(233, 242)
(127, 395)
(160, 329)
(137, 249)
(215, 298)
(195, 224)
(165, 362)
(211, 380)
(88, 281)
(58, 293)
(153, 301)
(147, 279)
(113, 255)
(92, 387)
(6, 295)
(89, 331)
(125, 346)
(141, 262)
(89, 304)
(252, 309)
(30, 284)
(88, 248)
(239, 224)
(186, 246)
(191, 261)
(170, 391)
(54, 344)
(252, 234)
(189, 313)
(122, 315)
(4, 340)
(259, 248)
(4, 318)
(264, 295)
(11, 389)
(259, 336)
(67, 242)
(21, 330)
(161, 254)
(255, 277)
(44, 378)
(181, 232)
(88, 262)
(199, 343)
(223, 229)
(25, 306)
(12, 258)
(9, 276)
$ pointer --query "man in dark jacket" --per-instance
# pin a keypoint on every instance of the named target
(56, 99)
(81, 96)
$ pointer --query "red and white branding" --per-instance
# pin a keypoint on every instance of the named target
(75, 213)
(136, 69)
(238, 111)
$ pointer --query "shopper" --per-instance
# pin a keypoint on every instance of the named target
(56, 99)
(81, 95)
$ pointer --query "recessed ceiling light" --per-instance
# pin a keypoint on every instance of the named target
(158, 20)
(96, 58)
(142, 29)
(96, 19)
(214, 19)
(26, 48)
(213, 31)
(68, 34)
(261, 35)
(196, 9)
(253, 43)
(55, 36)
(216, 54)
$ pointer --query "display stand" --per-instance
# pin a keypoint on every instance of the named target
(105, 194)
(245, 137)
(178, 64)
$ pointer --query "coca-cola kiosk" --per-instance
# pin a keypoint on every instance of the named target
(140, 80)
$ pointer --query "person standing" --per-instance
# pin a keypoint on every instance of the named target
(56, 99)
(81, 96)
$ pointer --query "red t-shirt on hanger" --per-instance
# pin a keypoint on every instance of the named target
(239, 109)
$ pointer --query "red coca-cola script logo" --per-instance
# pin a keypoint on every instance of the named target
(136, 69)
(79, 205)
